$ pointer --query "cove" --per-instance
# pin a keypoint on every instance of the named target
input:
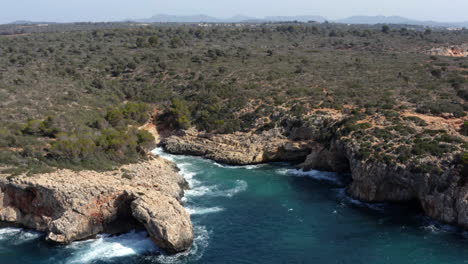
(267, 213)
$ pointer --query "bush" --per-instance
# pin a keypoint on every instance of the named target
(40, 128)
(145, 139)
(181, 113)
(130, 112)
(73, 147)
(434, 148)
(464, 130)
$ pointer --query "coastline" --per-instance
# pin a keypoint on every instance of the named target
(440, 195)
(70, 206)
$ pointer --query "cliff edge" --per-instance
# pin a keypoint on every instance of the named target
(71, 206)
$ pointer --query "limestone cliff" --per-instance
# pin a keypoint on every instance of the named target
(238, 148)
(71, 205)
(442, 191)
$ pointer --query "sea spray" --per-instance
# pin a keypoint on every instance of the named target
(314, 174)
(200, 243)
(202, 210)
(216, 191)
(107, 247)
(17, 236)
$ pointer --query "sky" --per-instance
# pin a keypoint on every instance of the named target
(114, 10)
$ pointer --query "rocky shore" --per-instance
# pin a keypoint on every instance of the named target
(70, 206)
(442, 194)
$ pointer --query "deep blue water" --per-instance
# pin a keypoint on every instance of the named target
(265, 214)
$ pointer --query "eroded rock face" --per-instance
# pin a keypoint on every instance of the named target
(442, 196)
(71, 205)
(238, 148)
(451, 51)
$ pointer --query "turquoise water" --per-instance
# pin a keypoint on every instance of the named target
(264, 214)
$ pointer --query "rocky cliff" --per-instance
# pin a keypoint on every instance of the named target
(238, 148)
(70, 205)
(387, 162)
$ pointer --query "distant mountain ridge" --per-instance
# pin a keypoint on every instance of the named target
(161, 18)
(164, 18)
(398, 20)
(25, 22)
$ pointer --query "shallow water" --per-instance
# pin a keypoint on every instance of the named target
(264, 214)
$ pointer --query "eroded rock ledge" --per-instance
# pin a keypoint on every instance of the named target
(443, 196)
(238, 148)
(72, 206)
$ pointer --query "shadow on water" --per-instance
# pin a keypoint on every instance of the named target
(393, 215)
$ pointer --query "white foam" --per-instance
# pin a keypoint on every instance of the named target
(202, 211)
(437, 227)
(253, 167)
(200, 243)
(9, 231)
(241, 186)
(314, 174)
(106, 247)
(247, 167)
(200, 191)
(18, 235)
(215, 191)
(160, 152)
(341, 193)
(225, 166)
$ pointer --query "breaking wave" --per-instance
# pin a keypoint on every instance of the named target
(202, 211)
(17, 236)
(200, 243)
(342, 195)
(314, 174)
(247, 167)
(215, 191)
(106, 247)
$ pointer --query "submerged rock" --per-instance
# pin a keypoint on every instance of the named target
(71, 206)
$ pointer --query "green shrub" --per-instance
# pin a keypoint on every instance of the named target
(432, 147)
(448, 138)
(181, 113)
(40, 128)
(73, 147)
(464, 130)
(145, 139)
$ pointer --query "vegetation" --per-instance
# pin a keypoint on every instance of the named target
(74, 94)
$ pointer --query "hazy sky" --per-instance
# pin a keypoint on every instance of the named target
(108, 10)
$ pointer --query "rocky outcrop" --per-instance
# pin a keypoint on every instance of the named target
(442, 196)
(72, 206)
(238, 148)
(451, 51)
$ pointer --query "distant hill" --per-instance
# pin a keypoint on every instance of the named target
(25, 22)
(296, 18)
(376, 20)
(163, 18)
(398, 20)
